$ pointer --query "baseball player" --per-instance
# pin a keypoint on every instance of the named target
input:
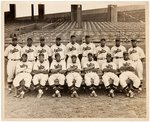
(73, 48)
(136, 54)
(40, 71)
(23, 73)
(117, 52)
(128, 72)
(86, 48)
(30, 50)
(13, 54)
(73, 77)
(110, 79)
(91, 77)
(44, 49)
(101, 52)
(57, 78)
(58, 48)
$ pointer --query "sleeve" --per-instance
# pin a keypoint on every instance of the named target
(64, 65)
(47, 66)
(18, 68)
(49, 51)
(36, 51)
(114, 66)
(79, 66)
(35, 67)
(141, 53)
(120, 64)
(52, 65)
(112, 51)
(6, 51)
(94, 49)
(65, 50)
(79, 49)
(103, 66)
(124, 49)
(29, 69)
(68, 65)
(85, 65)
(52, 50)
(22, 51)
(133, 64)
(96, 65)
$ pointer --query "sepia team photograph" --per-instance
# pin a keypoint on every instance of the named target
(74, 60)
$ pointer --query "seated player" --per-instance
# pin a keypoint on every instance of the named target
(127, 75)
(91, 77)
(110, 79)
(23, 77)
(57, 78)
(73, 77)
(40, 71)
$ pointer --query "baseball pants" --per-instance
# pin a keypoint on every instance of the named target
(89, 76)
(129, 75)
(106, 79)
(139, 68)
(40, 79)
(70, 78)
(22, 76)
(11, 70)
(53, 77)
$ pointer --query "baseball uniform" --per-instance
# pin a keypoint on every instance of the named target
(40, 78)
(90, 75)
(101, 53)
(31, 53)
(71, 76)
(60, 77)
(59, 49)
(72, 49)
(14, 55)
(85, 49)
(128, 74)
(45, 50)
(23, 72)
(110, 75)
(136, 54)
(117, 53)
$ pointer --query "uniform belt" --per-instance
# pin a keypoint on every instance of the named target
(14, 59)
(118, 57)
(31, 60)
(101, 58)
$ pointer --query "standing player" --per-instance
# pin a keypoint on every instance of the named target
(128, 72)
(57, 78)
(30, 50)
(13, 54)
(23, 73)
(137, 55)
(110, 79)
(86, 48)
(91, 77)
(44, 49)
(58, 48)
(73, 48)
(101, 52)
(73, 77)
(40, 71)
(117, 52)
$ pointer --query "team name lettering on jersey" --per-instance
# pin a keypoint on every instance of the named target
(29, 51)
(58, 66)
(87, 48)
(22, 66)
(109, 66)
(91, 64)
(42, 51)
(72, 48)
(41, 67)
(58, 50)
(14, 50)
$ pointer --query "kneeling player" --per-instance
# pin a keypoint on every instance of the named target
(91, 77)
(40, 71)
(110, 79)
(127, 75)
(23, 78)
(57, 79)
(74, 79)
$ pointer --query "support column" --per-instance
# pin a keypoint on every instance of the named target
(41, 11)
(32, 12)
(112, 13)
(12, 11)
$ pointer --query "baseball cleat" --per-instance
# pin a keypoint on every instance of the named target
(131, 94)
(140, 89)
(9, 90)
(93, 94)
(111, 92)
(22, 94)
(54, 95)
(75, 94)
(59, 95)
(40, 94)
(72, 95)
(127, 94)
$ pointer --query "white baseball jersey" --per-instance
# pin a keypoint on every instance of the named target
(41, 66)
(136, 53)
(102, 52)
(24, 67)
(73, 49)
(118, 51)
(77, 64)
(61, 64)
(109, 65)
(58, 49)
(13, 52)
(126, 63)
(91, 63)
(45, 50)
(87, 48)
(30, 51)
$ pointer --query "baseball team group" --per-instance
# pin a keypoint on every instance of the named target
(74, 65)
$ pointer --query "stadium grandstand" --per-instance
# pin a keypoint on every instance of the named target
(125, 22)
